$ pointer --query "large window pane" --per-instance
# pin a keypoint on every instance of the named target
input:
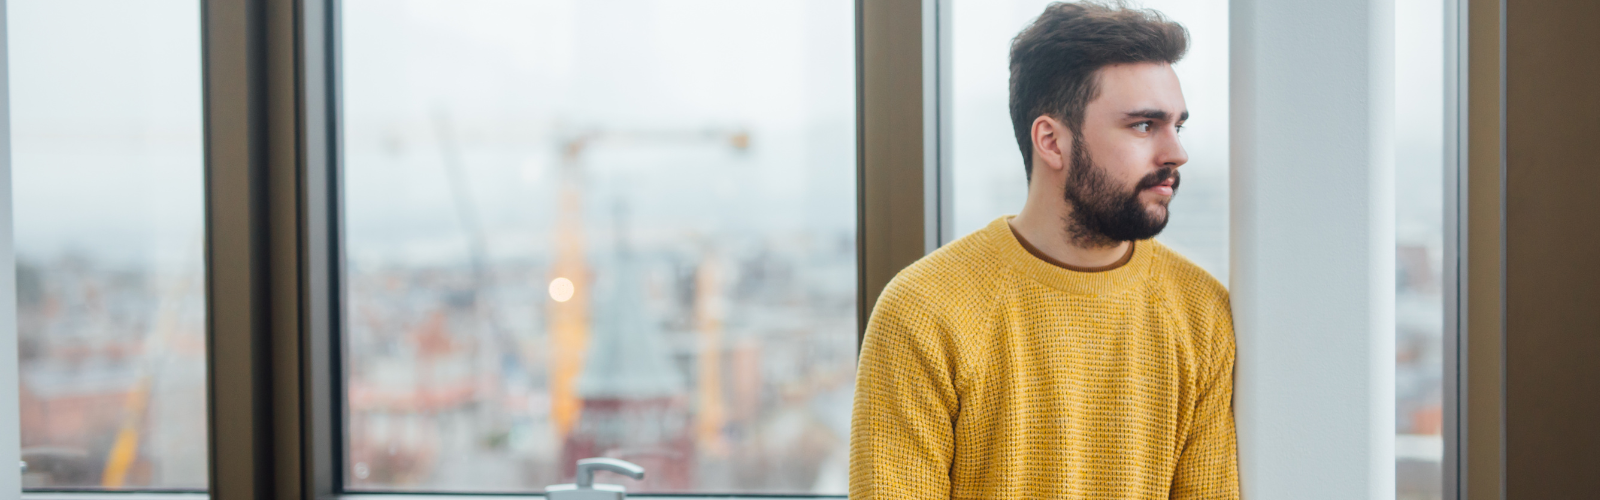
(599, 228)
(1419, 238)
(988, 176)
(106, 165)
(989, 180)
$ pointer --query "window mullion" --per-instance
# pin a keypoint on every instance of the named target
(894, 201)
(322, 294)
(237, 325)
(270, 385)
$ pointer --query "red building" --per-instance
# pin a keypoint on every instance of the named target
(635, 402)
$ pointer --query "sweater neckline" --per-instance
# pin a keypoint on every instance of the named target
(1024, 262)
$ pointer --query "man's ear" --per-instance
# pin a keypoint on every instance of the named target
(1050, 148)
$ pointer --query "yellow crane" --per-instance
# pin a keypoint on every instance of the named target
(125, 448)
(568, 318)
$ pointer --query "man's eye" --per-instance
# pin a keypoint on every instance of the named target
(1142, 127)
(1179, 128)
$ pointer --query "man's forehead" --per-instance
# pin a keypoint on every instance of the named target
(1139, 87)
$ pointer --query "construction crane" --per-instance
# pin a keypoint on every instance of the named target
(154, 351)
(570, 277)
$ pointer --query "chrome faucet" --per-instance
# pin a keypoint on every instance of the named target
(583, 487)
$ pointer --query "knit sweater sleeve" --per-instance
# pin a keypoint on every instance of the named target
(902, 429)
(1208, 467)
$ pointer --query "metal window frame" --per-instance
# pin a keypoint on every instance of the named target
(272, 248)
(1453, 275)
(10, 376)
(903, 181)
(274, 257)
(102, 495)
(1474, 264)
(1475, 306)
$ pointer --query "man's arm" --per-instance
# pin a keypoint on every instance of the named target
(1209, 465)
(902, 435)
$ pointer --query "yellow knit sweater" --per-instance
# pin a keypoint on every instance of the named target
(987, 373)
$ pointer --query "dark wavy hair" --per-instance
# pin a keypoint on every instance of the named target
(1055, 60)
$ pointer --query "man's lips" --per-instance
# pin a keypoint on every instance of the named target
(1161, 182)
(1164, 188)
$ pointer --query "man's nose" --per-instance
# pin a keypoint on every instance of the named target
(1171, 153)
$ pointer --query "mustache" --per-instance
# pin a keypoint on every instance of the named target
(1159, 176)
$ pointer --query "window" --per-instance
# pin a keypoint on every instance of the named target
(989, 181)
(578, 229)
(1419, 239)
(539, 231)
(106, 169)
(988, 174)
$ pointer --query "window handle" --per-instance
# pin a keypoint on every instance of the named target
(588, 466)
(583, 487)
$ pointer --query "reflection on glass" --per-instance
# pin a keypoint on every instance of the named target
(988, 176)
(619, 228)
(1419, 238)
(106, 165)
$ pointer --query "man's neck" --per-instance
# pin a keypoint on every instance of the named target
(1047, 233)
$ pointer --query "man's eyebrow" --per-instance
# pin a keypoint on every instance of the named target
(1156, 114)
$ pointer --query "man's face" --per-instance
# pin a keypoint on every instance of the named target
(1123, 171)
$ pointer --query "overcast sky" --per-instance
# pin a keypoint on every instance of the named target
(106, 111)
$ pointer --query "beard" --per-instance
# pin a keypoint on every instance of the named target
(1105, 214)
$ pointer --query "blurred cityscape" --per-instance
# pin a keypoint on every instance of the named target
(720, 370)
(989, 181)
(658, 266)
(105, 126)
(113, 376)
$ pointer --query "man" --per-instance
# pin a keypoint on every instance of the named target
(1061, 353)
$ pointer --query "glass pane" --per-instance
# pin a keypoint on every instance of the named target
(106, 165)
(988, 172)
(600, 228)
(1419, 238)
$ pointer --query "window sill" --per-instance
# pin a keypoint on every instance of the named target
(138, 495)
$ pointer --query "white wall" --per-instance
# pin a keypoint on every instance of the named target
(1312, 241)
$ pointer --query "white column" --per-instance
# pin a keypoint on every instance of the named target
(1313, 246)
(10, 418)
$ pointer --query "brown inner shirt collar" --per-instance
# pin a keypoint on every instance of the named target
(1041, 255)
